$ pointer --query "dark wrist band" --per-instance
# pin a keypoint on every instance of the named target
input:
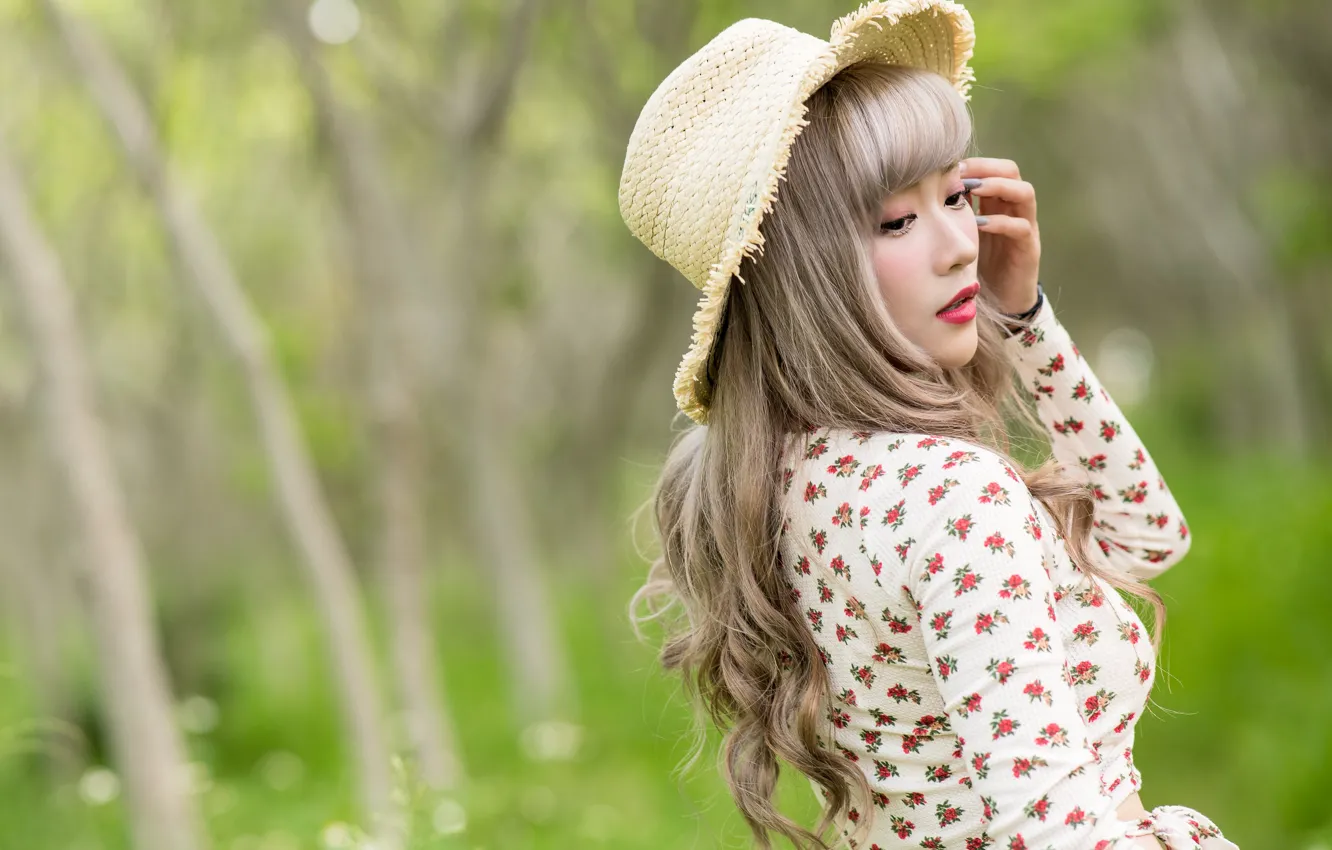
(1040, 299)
(1023, 317)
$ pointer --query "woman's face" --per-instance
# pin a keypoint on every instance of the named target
(924, 254)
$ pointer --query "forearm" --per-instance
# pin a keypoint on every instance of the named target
(1138, 524)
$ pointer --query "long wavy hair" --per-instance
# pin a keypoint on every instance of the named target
(807, 342)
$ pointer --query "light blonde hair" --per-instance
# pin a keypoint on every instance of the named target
(807, 342)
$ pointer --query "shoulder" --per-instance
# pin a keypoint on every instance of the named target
(908, 460)
(910, 501)
(895, 482)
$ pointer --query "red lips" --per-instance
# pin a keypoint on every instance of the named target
(965, 292)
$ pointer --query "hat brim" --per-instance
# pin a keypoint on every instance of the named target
(934, 34)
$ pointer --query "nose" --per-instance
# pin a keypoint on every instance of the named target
(960, 246)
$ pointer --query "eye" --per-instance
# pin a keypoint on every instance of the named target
(899, 226)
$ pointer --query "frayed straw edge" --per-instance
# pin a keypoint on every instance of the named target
(848, 27)
(690, 377)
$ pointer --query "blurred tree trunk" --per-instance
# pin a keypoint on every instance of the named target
(37, 598)
(1218, 104)
(40, 605)
(661, 30)
(593, 468)
(1312, 292)
(468, 119)
(147, 746)
(32, 603)
(541, 682)
(388, 270)
(324, 554)
(499, 512)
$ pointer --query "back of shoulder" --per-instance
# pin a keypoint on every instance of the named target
(897, 501)
(895, 483)
(886, 463)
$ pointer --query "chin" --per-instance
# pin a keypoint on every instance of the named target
(957, 356)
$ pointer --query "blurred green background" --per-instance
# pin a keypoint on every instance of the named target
(380, 378)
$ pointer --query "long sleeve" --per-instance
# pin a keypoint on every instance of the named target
(1139, 527)
(977, 574)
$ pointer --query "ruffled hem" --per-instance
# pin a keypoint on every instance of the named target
(1177, 828)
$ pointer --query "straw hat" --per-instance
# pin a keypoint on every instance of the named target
(711, 144)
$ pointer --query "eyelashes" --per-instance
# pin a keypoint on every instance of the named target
(903, 224)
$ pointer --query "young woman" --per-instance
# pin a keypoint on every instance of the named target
(874, 590)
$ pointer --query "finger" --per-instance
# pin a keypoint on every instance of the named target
(1018, 192)
(1005, 225)
(987, 166)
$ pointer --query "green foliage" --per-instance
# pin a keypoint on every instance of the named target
(1036, 45)
(1294, 210)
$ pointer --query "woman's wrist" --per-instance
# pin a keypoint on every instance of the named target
(1026, 316)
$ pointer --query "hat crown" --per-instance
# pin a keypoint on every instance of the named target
(696, 158)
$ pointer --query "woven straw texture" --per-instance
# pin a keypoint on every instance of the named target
(710, 146)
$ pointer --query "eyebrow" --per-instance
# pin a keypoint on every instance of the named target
(941, 171)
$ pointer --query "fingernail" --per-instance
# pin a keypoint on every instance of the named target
(962, 167)
(971, 182)
(982, 220)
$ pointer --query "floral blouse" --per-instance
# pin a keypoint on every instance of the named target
(987, 687)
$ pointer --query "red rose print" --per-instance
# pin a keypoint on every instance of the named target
(869, 475)
(902, 826)
(897, 624)
(964, 580)
(937, 493)
(947, 813)
(1053, 735)
(844, 466)
(946, 665)
(1016, 588)
(1037, 692)
(872, 738)
(909, 473)
(885, 654)
(1038, 809)
(938, 773)
(1003, 725)
(1001, 669)
(895, 515)
(839, 567)
(960, 526)
(842, 519)
(993, 494)
(933, 566)
(881, 719)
